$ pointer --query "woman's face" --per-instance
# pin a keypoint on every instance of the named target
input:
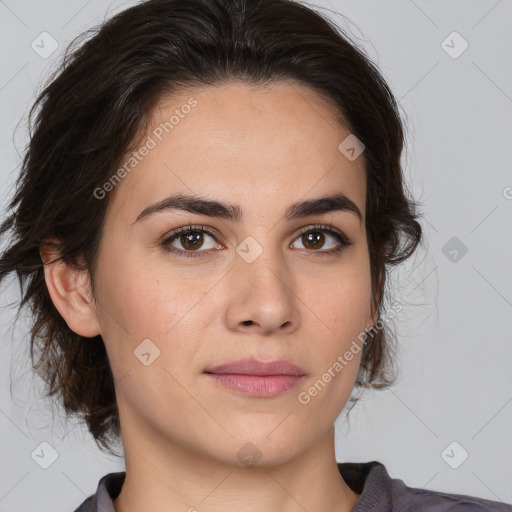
(252, 288)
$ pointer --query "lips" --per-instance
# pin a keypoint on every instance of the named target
(255, 367)
(257, 379)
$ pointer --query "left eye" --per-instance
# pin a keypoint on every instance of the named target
(192, 238)
(316, 235)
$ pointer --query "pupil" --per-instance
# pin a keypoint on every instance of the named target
(312, 238)
(190, 240)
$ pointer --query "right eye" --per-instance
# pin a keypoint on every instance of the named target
(191, 239)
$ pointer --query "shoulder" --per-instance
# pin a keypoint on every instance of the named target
(381, 493)
(409, 499)
(107, 490)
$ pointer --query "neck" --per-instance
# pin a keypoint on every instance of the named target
(169, 478)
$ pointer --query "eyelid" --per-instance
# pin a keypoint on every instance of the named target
(324, 227)
(175, 233)
(343, 240)
(189, 227)
(213, 233)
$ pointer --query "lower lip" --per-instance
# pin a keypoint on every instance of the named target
(257, 385)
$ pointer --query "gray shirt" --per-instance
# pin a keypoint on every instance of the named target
(379, 493)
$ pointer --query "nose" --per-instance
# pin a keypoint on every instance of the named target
(261, 296)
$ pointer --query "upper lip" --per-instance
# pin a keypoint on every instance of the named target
(255, 367)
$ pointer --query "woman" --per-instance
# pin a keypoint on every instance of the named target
(206, 212)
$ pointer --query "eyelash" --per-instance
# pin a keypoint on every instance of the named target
(328, 228)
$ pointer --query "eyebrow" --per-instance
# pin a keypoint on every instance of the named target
(233, 212)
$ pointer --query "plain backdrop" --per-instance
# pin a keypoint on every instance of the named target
(446, 424)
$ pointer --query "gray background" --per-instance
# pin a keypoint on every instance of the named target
(455, 383)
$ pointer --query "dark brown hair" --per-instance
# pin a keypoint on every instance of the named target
(96, 105)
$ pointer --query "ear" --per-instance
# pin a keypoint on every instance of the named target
(70, 291)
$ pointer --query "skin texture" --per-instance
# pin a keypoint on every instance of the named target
(263, 149)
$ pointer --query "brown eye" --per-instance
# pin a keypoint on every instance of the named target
(314, 238)
(191, 240)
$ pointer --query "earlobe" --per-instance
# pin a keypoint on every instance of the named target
(70, 291)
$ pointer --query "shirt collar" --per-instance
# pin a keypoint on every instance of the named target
(369, 479)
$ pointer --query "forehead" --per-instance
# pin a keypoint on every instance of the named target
(244, 144)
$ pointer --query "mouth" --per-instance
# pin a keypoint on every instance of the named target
(257, 378)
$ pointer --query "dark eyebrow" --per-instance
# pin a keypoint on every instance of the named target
(233, 212)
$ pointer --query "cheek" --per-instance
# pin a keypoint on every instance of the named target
(136, 295)
(346, 310)
(146, 309)
(344, 300)
(342, 305)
